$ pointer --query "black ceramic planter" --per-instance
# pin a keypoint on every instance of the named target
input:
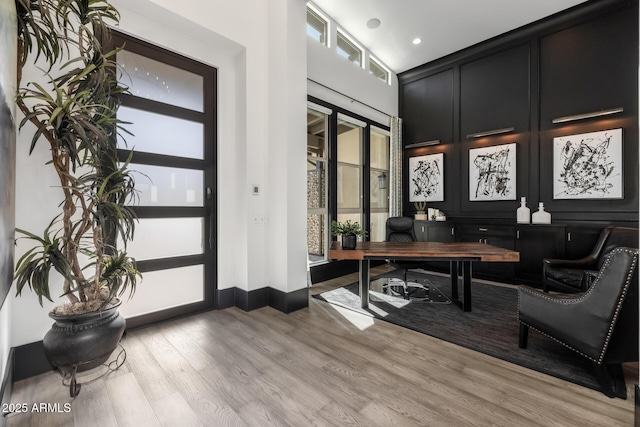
(348, 241)
(81, 342)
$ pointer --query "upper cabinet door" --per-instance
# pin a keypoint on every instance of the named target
(494, 92)
(590, 67)
(427, 108)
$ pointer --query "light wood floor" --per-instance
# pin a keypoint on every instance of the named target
(320, 366)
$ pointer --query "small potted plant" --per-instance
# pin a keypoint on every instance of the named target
(420, 210)
(348, 230)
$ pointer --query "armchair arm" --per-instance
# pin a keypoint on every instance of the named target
(587, 263)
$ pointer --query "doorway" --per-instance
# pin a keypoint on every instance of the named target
(171, 108)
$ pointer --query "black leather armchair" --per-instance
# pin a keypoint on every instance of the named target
(577, 275)
(601, 323)
(400, 229)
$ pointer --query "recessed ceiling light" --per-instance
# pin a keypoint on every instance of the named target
(373, 23)
(417, 40)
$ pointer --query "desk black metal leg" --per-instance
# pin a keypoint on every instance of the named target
(453, 268)
(364, 283)
(466, 286)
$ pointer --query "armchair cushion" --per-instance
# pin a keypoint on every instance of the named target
(569, 276)
(576, 275)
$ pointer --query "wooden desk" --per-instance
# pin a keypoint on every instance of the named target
(457, 253)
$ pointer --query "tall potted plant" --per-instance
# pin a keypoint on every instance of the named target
(75, 115)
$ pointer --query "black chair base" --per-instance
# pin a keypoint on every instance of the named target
(611, 379)
(523, 335)
(610, 376)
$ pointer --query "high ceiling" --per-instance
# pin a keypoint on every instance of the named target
(445, 26)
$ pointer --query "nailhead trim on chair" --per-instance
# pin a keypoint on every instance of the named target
(579, 299)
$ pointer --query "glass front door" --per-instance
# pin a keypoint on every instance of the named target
(171, 109)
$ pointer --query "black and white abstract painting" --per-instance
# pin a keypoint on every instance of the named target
(426, 178)
(492, 173)
(588, 166)
(8, 47)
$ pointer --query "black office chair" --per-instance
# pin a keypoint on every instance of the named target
(400, 229)
(600, 324)
(577, 275)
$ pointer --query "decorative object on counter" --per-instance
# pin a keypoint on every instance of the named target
(349, 232)
(588, 166)
(492, 173)
(541, 216)
(426, 178)
(420, 211)
(523, 213)
(439, 215)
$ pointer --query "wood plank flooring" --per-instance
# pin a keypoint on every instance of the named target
(320, 366)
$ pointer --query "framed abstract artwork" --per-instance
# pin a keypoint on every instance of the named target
(426, 178)
(492, 173)
(588, 166)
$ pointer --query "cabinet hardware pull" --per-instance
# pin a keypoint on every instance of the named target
(479, 240)
(483, 229)
(568, 237)
(518, 234)
(452, 233)
(423, 228)
(485, 241)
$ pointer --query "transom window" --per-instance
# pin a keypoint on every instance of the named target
(378, 70)
(317, 26)
(349, 49)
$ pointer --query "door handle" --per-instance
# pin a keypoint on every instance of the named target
(209, 196)
(211, 230)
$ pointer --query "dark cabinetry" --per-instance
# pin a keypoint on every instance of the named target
(433, 231)
(580, 241)
(495, 235)
(536, 242)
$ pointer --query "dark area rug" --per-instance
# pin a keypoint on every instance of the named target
(491, 328)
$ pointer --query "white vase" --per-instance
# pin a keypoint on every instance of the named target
(523, 213)
(542, 216)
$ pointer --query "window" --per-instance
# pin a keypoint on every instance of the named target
(317, 211)
(347, 176)
(317, 26)
(349, 49)
(378, 70)
(350, 163)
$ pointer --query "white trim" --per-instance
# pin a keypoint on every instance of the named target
(319, 108)
(381, 131)
(352, 120)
